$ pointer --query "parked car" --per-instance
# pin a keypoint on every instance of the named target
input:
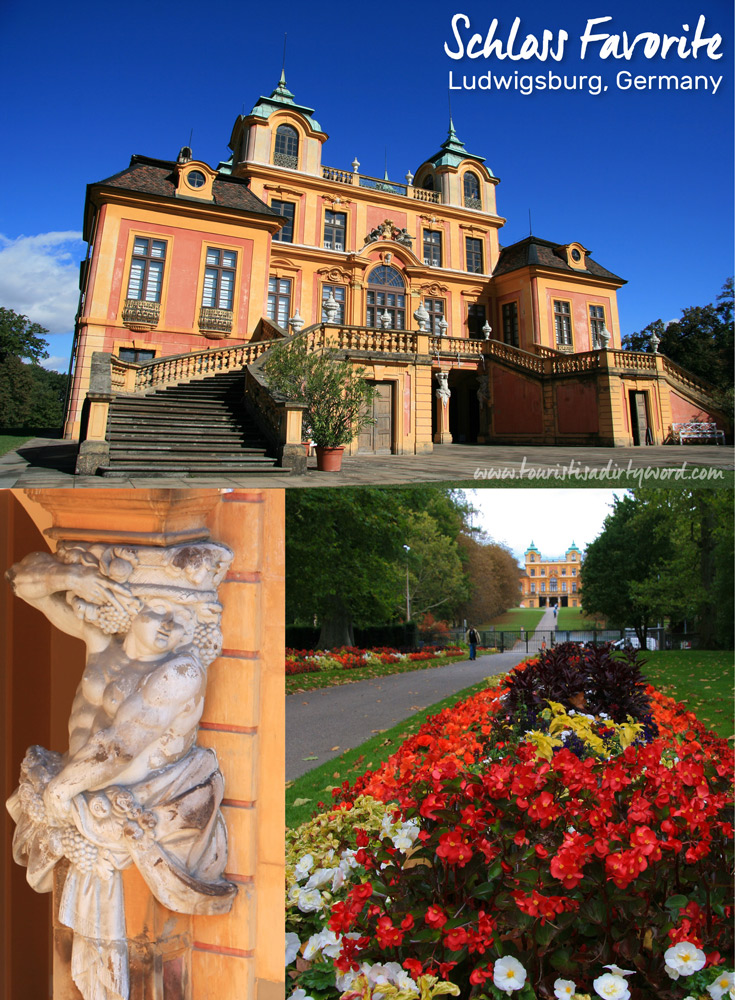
(633, 642)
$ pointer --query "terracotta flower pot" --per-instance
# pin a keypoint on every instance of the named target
(329, 459)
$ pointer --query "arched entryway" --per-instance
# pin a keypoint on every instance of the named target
(386, 292)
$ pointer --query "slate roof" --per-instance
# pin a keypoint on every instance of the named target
(535, 252)
(158, 177)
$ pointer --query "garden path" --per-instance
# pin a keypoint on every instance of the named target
(325, 723)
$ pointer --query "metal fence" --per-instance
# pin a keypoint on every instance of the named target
(532, 641)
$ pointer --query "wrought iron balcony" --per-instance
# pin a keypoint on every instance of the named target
(215, 323)
(138, 314)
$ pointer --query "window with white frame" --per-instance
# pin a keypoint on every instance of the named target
(146, 269)
(279, 300)
(338, 293)
(435, 309)
(432, 248)
(286, 149)
(335, 228)
(288, 210)
(563, 323)
(219, 279)
(597, 325)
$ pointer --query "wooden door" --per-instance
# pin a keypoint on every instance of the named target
(639, 417)
(377, 437)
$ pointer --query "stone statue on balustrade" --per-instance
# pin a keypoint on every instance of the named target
(134, 788)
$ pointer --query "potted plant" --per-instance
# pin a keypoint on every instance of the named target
(338, 400)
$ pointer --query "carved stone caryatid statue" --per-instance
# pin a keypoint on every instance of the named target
(134, 787)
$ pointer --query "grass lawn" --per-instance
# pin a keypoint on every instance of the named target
(9, 442)
(315, 786)
(703, 680)
(569, 619)
(515, 618)
(330, 678)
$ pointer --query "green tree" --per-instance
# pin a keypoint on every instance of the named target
(20, 338)
(700, 341)
(335, 393)
(437, 580)
(494, 578)
(665, 554)
(345, 556)
(30, 396)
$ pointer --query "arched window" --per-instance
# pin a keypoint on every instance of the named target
(386, 293)
(471, 191)
(286, 151)
(427, 183)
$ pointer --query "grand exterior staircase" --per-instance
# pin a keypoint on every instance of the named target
(194, 428)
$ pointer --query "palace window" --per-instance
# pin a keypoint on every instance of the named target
(574, 571)
(219, 279)
(476, 320)
(563, 571)
(573, 557)
(288, 210)
(473, 251)
(338, 292)
(510, 323)
(542, 588)
(574, 587)
(386, 293)
(435, 309)
(532, 558)
(533, 588)
(279, 300)
(532, 572)
(542, 571)
(146, 269)
(432, 248)
(286, 149)
(335, 226)
(563, 586)
(563, 323)
(471, 191)
(553, 585)
(597, 325)
(135, 355)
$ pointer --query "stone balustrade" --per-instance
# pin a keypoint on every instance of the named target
(279, 419)
(378, 184)
(573, 363)
(514, 356)
(455, 345)
(186, 367)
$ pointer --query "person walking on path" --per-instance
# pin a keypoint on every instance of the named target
(473, 638)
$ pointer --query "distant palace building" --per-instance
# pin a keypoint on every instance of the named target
(194, 271)
(546, 582)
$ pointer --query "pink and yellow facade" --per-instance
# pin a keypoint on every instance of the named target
(466, 341)
(548, 582)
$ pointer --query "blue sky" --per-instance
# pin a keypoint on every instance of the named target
(643, 178)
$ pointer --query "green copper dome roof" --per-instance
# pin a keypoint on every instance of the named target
(531, 548)
(452, 152)
(283, 98)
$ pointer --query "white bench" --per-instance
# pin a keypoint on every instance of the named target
(697, 432)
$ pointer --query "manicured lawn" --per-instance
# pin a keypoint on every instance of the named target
(703, 680)
(330, 678)
(316, 786)
(569, 619)
(515, 618)
(9, 442)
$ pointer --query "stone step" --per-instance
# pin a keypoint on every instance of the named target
(187, 469)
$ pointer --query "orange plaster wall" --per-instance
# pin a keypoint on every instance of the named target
(576, 407)
(683, 410)
(517, 404)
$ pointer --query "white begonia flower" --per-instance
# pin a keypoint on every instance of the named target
(300, 995)
(617, 971)
(564, 988)
(611, 987)
(405, 835)
(723, 984)
(292, 946)
(509, 974)
(303, 867)
(338, 879)
(322, 876)
(344, 980)
(671, 973)
(689, 998)
(685, 958)
(348, 857)
(310, 900)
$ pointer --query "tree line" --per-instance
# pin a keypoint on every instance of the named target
(30, 396)
(360, 556)
(665, 556)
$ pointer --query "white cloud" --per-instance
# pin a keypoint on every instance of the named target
(39, 277)
(551, 518)
(56, 363)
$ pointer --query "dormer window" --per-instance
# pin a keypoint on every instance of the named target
(286, 150)
(427, 183)
(471, 191)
